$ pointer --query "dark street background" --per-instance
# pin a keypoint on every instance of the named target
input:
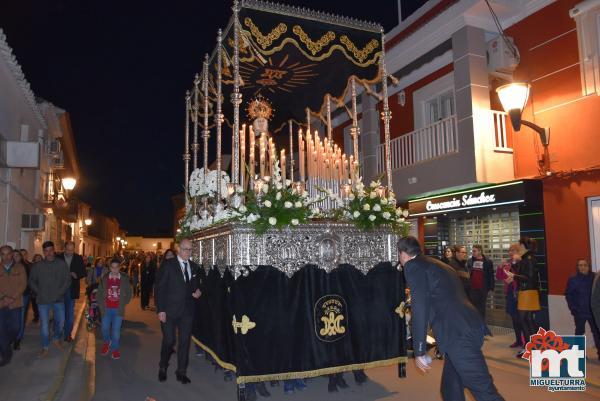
(121, 69)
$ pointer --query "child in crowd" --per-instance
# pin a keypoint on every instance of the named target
(114, 292)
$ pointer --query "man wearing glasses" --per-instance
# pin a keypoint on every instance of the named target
(177, 288)
(459, 264)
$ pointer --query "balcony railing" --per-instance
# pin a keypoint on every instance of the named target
(437, 140)
(424, 144)
(500, 137)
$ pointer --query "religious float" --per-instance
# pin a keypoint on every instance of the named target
(300, 269)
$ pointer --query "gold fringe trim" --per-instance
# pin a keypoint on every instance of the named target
(218, 360)
(320, 372)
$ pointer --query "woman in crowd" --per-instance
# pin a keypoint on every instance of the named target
(579, 295)
(447, 255)
(96, 272)
(134, 275)
(528, 299)
(169, 254)
(510, 292)
(147, 276)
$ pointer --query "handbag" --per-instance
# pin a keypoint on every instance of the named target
(528, 300)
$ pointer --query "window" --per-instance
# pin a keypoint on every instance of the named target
(587, 19)
(440, 107)
(434, 101)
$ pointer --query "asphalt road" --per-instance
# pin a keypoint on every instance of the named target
(134, 376)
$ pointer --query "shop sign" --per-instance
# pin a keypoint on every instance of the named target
(502, 194)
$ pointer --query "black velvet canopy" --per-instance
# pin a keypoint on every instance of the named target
(293, 57)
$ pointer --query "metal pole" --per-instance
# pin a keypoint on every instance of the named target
(218, 115)
(195, 145)
(205, 131)
(354, 130)
(186, 151)
(386, 115)
(236, 97)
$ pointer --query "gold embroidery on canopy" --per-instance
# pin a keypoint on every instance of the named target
(265, 41)
(370, 61)
(360, 54)
(317, 46)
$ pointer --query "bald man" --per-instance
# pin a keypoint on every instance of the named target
(175, 293)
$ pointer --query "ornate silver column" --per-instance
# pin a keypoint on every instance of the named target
(236, 97)
(186, 150)
(386, 115)
(195, 145)
(219, 115)
(354, 130)
(205, 131)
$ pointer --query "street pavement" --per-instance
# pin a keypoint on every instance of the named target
(134, 376)
(29, 378)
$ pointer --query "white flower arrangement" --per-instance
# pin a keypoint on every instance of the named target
(368, 207)
(277, 206)
(201, 184)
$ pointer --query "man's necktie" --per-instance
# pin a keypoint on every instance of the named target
(185, 272)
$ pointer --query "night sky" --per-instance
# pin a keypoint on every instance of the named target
(121, 69)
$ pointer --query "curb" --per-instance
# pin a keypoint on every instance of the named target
(90, 361)
(588, 381)
(60, 376)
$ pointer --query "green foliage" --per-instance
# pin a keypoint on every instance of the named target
(368, 208)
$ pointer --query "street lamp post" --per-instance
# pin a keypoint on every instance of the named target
(69, 183)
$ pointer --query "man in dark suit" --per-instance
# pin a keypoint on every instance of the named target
(439, 300)
(78, 271)
(177, 288)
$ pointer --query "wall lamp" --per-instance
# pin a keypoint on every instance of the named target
(514, 98)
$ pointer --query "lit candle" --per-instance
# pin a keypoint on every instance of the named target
(243, 155)
(252, 155)
(262, 155)
(301, 154)
(291, 150)
(283, 165)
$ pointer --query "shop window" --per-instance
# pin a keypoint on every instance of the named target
(495, 231)
(587, 19)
